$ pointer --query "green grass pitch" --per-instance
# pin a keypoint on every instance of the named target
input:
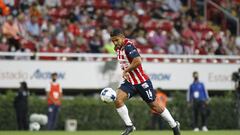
(219, 132)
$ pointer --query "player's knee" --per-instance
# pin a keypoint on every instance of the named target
(161, 109)
(157, 107)
(119, 102)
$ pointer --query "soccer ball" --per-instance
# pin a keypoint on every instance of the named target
(108, 95)
(34, 126)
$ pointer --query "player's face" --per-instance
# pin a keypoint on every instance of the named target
(118, 41)
(54, 77)
(195, 75)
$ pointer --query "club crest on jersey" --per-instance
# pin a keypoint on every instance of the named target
(145, 85)
(132, 51)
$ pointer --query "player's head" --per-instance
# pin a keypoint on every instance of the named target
(54, 76)
(117, 37)
(23, 86)
(195, 75)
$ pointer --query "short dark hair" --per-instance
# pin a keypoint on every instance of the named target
(195, 72)
(54, 74)
(24, 85)
(116, 32)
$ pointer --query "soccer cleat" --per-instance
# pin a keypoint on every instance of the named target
(176, 130)
(128, 130)
(196, 129)
(204, 128)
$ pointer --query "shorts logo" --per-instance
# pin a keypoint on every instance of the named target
(145, 85)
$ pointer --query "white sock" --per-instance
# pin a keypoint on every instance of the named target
(123, 112)
(168, 117)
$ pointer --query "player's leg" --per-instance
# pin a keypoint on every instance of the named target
(50, 117)
(55, 116)
(164, 113)
(122, 108)
(195, 116)
(203, 112)
(25, 117)
(18, 116)
(123, 93)
(148, 94)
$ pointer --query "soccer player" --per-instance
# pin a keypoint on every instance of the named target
(54, 96)
(135, 81)
(197, 97)
(156, 120)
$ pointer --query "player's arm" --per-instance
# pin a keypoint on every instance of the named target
(132, 53)
(189, 94)
(205, 93)
(134, 64)
(61, 95)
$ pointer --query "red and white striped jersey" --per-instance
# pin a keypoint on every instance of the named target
(125, 55)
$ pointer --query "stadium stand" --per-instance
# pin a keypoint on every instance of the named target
(156, 26)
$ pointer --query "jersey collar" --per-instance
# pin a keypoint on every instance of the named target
(126, 42)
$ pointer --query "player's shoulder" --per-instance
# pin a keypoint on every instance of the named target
(191, 85)
(201, 83)
(129, 47)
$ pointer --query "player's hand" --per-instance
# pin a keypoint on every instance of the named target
(57, 102)
(126, 75)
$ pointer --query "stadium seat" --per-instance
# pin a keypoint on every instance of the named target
(68, 3)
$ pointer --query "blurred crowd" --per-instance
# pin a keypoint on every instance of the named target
(79, 26)
(232, 6)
